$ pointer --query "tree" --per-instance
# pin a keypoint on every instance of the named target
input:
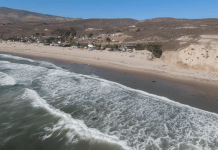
(73, 42)
(73, 31)
(67, 33)
(108, 40)
(138, 30)
(90, 35)
(42, 34)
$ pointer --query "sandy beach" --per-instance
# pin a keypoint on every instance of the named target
(136, 62)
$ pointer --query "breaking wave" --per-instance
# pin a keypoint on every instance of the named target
(77, 130)
(100, 112)
(15, 57)
(5, 79)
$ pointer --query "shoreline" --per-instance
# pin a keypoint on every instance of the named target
(154, 81)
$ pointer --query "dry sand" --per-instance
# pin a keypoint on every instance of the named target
(137, 61)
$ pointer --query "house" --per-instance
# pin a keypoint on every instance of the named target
(38, 41)
(117, 34)
(131, 46)
(122, 48)
(46, 44)
(104, 34)
(56, 45)
(90, 45)
(93, 48)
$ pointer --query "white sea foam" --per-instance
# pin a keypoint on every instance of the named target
(134, 115)
(78, 130)
(23, 73)
(5, 79)
(15, 57)
(144, 120)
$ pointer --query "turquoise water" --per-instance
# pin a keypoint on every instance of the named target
(43, 106)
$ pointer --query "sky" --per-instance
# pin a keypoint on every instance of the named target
(136, 9)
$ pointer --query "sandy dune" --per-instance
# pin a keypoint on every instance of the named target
(202, 56)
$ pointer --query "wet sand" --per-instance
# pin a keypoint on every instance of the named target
(197, 93)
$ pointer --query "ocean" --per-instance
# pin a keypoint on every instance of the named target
(47, 107)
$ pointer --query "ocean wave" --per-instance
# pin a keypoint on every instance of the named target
(118, 113)
(5, 79)
(23, 73)
(144, 120)
(15, 57)
(77, 130)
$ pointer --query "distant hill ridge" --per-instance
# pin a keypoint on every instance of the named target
(9, 15)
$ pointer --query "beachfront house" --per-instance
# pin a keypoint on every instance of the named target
(90, 45)
(46, 44)
(122, 48)
(116, 34)
(131, 46)
(93, 48)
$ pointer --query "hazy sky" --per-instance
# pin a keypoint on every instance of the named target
(137, 9)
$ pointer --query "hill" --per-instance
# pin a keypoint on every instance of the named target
(9, 15)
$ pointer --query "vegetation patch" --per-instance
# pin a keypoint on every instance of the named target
(111, 46)
(155, 48)
(66, 45)
(65, 32)
(48, 40)
(14, 39)
(83, 44)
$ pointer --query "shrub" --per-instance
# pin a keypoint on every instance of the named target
(49, 39)
(66, 45)
(13, 39)
(84, 44)
(73, 42)
(98, 46)
(65, 32)
(111, 46)
(155, 48)
(90, 35)
(140, 47)
(108, 40)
